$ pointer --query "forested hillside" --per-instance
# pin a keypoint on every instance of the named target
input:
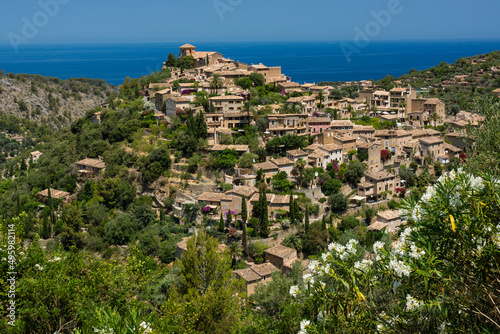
(51, 101)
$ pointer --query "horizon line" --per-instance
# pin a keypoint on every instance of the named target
(264, 41)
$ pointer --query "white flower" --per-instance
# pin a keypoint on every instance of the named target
(351, 246)
(313, 266)
(38, 267)
(57, 258)
(303, 326)
(294, 290)
(327, 268)
(324, 256)
(416, 214)
(412, 304)
(416, 252)
(399, 268)
(146, 326)
(428, 195)
(363, 266)
(378, 246)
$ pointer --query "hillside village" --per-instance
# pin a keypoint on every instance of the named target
(270, 176)
(387, 141)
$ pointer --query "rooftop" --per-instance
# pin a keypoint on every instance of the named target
(280, 251)
(54, 193)
(282, 161)
(92, 163)
(380, 175)
(389, 214)
(296, 153)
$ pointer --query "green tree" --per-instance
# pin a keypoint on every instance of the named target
(257, 79)
(171, 60)
(338, 202)
(306, 221)
(355, 171)
(292, 210)
(208, 296)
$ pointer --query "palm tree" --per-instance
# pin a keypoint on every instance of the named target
(321, 98)
(215, 83)
(300, 165)
(435, 117)
(247, 107)
(284, 108)
(235, 250)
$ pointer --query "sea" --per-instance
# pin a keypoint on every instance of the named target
(302, 61)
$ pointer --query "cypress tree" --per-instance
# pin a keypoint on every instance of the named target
(45, 227)
(162, 215)
(306, 225)
(221, 223)
(229, 217)
(264, 220)
(292, 210)
(323, 223)
(51, 212)
(244, 216)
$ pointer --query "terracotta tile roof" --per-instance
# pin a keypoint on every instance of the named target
(389, 214)
(377, 226)
(343, 123)
(212, 197)
(179, 99)
(280, 199)
(330, 147)
(244, 191)
(312, 147)
(265, 166)
(296, 153)
(54, 193)
(365, 185)
(247, 274)
(187, 46)
(92, 163)
(282, 161)
(319, 120)
(431, 140)
(264, 269)
(239, 148)
(380, 175)
(226, 97)
(280, 251)
(452, 148)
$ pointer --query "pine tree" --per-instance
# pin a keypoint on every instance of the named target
(306, 225)
(244, 216)
(292, 210)
(221, 223)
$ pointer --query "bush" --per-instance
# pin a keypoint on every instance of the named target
(121, 230)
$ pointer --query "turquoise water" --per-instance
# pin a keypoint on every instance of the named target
(302, 61)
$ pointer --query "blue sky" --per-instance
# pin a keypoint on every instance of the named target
(105, 21)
